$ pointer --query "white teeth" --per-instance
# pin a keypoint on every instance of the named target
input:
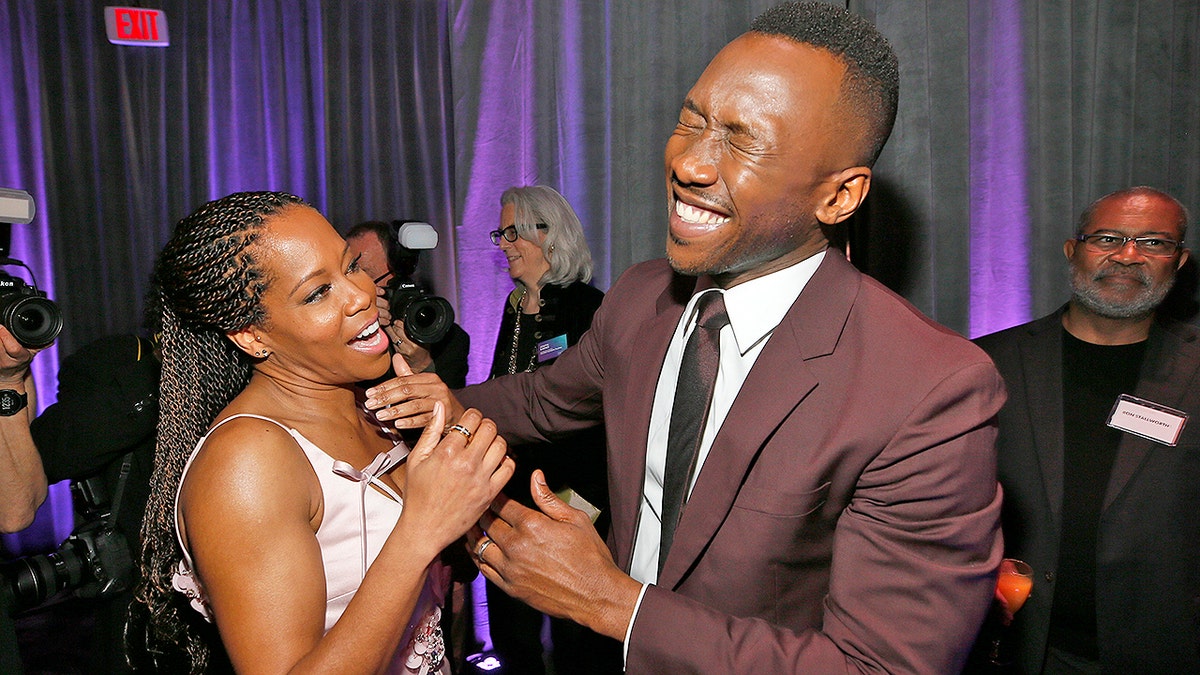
(691, 214)
(368, 331)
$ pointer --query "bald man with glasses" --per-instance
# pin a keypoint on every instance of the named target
(1099, 463)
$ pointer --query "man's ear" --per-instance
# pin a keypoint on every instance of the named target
(1183, 257)
(851, 187)
(1069, 248)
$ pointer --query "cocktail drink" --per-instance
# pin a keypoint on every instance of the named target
(1014, 583)
(1012, 590)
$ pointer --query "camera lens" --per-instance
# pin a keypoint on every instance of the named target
(35, 322)
(32, 580)
(428, 319)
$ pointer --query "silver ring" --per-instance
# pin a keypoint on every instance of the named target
(462, 430)
(487, 541)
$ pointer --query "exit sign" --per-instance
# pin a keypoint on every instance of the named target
(136, 26)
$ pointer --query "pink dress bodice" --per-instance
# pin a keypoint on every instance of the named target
(359, 514)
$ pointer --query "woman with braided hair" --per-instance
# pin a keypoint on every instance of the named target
(280, 510)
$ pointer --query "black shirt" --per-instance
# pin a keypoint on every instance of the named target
(1093, 376)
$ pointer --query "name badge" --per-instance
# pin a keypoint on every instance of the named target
(548, 349)
(1147, 419)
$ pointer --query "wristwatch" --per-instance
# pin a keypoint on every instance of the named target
(12, 402)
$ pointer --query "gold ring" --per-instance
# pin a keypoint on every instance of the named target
(487, 541)
(462, 430)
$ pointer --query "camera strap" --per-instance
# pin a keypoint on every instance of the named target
(126, 463)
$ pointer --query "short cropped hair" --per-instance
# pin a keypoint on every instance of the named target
(401, 262)
(1085, 218)
(564, 246)
(871, 87)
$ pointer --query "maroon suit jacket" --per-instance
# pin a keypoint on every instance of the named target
(847, 516)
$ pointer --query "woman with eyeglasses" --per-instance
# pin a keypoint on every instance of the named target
(549, 261)
(548, 310)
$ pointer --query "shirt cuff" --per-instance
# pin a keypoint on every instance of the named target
(629, 629)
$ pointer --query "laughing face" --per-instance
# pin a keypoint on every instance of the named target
(322, 326)
(1126, 283)
(757, 161)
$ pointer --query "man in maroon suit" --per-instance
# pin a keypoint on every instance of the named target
(843, 508)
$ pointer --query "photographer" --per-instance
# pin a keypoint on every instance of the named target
(101, 428)
(393, 266)
(22, 483)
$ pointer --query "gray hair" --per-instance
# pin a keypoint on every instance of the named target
(564, 246)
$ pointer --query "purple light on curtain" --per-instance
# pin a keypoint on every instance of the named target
(999, 212)
(571, 163)
(503, 154)
(265, 114)
(22, 166)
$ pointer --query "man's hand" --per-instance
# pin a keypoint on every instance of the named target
(14, 360)
(408, 398)
(554, 561)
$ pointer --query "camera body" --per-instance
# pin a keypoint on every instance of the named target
(25, 311)
(427, 318)
(96, 561)
(33, 319)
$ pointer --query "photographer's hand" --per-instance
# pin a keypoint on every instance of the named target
(22, 480)
(419, 359)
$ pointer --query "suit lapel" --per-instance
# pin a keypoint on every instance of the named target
(1041, 357)
(645, 363)
(1172, 360)
(775, 386)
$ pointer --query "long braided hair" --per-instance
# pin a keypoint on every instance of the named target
(209, 283)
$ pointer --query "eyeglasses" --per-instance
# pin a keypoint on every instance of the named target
(1152, 246)
(510, 233)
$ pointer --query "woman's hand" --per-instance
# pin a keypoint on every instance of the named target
(408, 399)
(453, 477)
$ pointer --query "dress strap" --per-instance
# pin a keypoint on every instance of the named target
(367, 477)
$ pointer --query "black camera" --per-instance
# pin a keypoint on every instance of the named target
(96, 561)
(34, 320)
(427, 318)
(24, 310)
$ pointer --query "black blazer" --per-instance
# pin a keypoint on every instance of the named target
(1148, 553)
(578, 461)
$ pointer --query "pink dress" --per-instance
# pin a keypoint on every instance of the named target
(360, 512)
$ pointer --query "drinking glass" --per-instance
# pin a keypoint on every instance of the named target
(1012, 588)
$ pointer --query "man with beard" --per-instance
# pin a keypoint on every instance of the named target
(1101, 476)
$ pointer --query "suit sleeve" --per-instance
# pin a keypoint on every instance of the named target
(913, 561)
(555, 400)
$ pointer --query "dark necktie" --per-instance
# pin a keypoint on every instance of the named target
(693, 394)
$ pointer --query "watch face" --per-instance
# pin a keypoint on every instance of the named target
(11, 402)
